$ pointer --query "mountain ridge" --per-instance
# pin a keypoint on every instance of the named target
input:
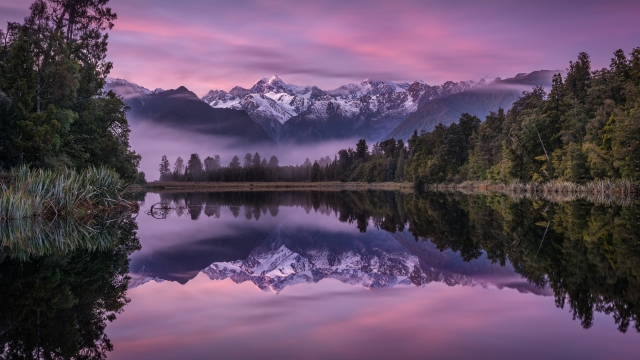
(479, 102)
(369, 109)
(182, 109)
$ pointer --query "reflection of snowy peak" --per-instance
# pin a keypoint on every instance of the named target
(376, 259)
(273, 265)
(274, 271)
(272, 103)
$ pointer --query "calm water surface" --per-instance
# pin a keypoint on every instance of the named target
(351, 275)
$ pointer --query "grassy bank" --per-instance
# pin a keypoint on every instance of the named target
(27, 193)
(264, 186)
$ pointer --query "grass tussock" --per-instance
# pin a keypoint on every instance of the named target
(29, 193)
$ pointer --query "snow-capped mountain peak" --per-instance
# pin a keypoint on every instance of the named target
(271, 102)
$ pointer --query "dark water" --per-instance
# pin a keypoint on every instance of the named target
(328, 275)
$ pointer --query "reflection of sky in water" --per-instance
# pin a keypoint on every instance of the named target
(209, 319)
(332, 319)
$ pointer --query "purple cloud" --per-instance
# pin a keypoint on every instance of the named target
(216, 45)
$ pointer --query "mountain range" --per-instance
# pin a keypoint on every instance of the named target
(274, 111)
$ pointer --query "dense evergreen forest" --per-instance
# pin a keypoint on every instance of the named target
(53, 112)
(587, 127)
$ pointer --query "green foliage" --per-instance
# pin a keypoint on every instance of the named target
(438, 156)
(43, 193)
(587, 127)
(53, 111)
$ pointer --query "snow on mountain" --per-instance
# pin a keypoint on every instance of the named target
(371, 262)
(271, 102)
(275, 270)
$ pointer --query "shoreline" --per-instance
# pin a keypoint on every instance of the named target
(596, 191)
(278, 186)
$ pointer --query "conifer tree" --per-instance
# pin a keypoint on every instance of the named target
(235, 163)
(165, 169)
(178, 166)
(52, 71)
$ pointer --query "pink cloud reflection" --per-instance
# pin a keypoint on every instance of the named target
(333, 320)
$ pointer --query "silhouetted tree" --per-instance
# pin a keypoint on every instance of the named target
(194, 170)
(362, 149)
(256, 160)
(315, 172)
(273, 162)
(178, 166)
(212, 163)
(235, 162)
(165, 169)
(247, 161)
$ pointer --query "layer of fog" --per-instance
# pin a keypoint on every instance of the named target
(152, 141)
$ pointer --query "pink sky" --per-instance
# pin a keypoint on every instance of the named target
(207, 45)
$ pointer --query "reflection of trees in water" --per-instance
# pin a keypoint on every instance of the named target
(57, 303)
(587, 253)
(212, 210)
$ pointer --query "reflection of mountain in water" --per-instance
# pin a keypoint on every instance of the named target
(585, 253)
(290, 255)
(183, 262)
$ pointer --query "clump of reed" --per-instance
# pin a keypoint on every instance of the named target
(26, 192)
(28, 237)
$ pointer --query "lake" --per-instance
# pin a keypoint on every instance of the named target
(336, 274)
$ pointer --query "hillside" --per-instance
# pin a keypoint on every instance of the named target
(182, 109)
(478, 101)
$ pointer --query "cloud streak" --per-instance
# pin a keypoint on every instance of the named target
(216, 45)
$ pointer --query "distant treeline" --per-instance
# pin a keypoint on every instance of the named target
(587, 127)
(252, 168)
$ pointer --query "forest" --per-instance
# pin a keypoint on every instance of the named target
(586, 128)
(53, 111)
